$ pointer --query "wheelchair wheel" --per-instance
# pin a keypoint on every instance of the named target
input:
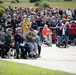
(15, 54)
(12, 53)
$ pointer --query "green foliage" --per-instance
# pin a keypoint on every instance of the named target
(1, 1)
(13, 1)
(45, 5)
(37, 3)
(1, 12)
(67, 0)
(41, 4)
(17, 1)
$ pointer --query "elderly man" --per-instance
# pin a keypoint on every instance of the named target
(2, 41)
(8, 40)
(31, 41)
(19, 41)
(47, 34)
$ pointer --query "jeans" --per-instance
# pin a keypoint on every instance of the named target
(60, 40)
(33, 48)
(48, 39)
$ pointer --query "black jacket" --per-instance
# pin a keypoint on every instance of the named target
(66, 32)
(7, 40)
(19, 38)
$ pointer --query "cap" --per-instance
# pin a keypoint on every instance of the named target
(18, 28)
(9, 29)
(9, 16)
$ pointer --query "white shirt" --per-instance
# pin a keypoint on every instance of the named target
(63, 31)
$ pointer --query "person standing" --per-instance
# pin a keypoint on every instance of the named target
(34, 24)
(26, 25)
(14, 23)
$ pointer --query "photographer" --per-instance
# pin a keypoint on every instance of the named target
(63, 33)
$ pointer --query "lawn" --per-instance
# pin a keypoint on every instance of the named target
(12, 68)
(62, 5)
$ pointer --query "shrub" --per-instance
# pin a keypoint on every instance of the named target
(31, 1)
(37, 4)
(13, 1)
(17, 1)
(1, 12)
(67, 0)
(1, 1)
(40, 4)
(45, 5)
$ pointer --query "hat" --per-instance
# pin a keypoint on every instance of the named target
(72, 21)
(9, 16)
(0, 28)
(18, 28)
(9, 29)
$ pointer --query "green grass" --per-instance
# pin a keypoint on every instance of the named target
(62, 5)
(42, 0)
(12, 68)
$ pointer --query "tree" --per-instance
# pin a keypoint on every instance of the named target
(67, 0)
(17, 1)
(34, 0)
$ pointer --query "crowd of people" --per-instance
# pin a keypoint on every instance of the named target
(26, 28)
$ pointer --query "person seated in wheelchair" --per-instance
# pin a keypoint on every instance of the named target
(47, 35)
(9, 43)
(19, 43)
(31, 38)
(63, 36)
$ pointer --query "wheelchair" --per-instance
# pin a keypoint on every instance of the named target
(12, 53)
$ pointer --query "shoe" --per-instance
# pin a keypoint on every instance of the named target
(31, 56)
(35, 56)
(58, 45)
(65, 46)
(17, 57)
(39, 56)
(3, 57)
(50, 45)
(25, 57)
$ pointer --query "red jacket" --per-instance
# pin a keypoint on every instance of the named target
(72, 29)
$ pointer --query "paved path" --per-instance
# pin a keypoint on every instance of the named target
(63, 59)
